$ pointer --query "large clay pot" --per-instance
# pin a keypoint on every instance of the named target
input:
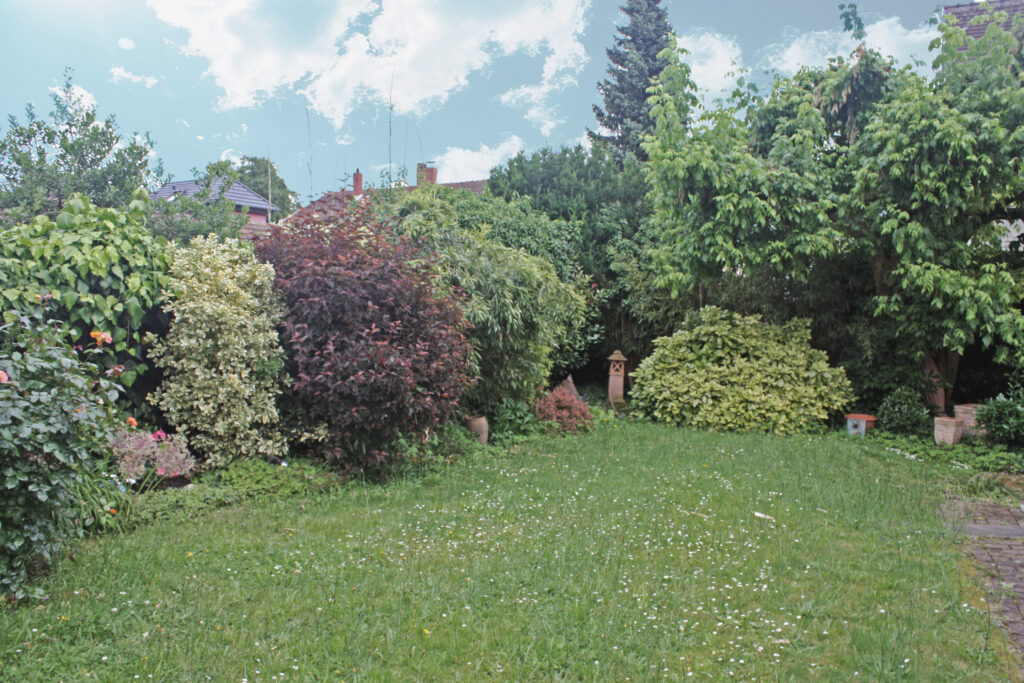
(967, 413)
(478, 425)
(948, 430)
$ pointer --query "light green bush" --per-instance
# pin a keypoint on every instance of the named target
(729, 372)
(222, 357)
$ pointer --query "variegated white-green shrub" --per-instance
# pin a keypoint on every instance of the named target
(729, 372)
(222, 359)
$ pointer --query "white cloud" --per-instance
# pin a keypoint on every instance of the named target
(715, 61)
(126, 43)
(887, 36)
(77, 98)
(458, 164)
(184, 123)
(234, 156)
(411, 53)
(200, 138)
(119, 73)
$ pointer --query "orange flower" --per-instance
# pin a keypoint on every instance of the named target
(132, 422)
(113, 511)
(101, 337)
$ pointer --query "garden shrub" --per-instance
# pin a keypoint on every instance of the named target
(375, 348)
(222, 359)
(523, 316)
(568, 413)
(103, 269)
(903, 412)
(1003, 418)
(972, 454)
(730, 372)
(56, 413)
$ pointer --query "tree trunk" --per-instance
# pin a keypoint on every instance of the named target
(882, 266)
(940, 368)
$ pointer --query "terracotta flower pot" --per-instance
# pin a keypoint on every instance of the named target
(859, 424)
(948, 430)
(966, 412)
(478, 426)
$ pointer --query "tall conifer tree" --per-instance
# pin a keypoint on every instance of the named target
(634, 62)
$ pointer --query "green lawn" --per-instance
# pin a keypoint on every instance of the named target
(636, 552)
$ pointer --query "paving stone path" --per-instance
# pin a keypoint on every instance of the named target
(997, 544)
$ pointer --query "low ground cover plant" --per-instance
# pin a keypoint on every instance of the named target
(375, 347)
(726, 371)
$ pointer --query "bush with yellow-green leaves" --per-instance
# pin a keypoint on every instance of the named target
(728, 372)
(222, 359)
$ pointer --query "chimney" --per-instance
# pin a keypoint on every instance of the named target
(431, 176)
(421, 173)
(357, 183)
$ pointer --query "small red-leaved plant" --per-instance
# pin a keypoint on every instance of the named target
(568, 412)
(375, 349)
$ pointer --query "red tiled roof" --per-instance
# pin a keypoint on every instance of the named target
(966, 12)
(333, 203)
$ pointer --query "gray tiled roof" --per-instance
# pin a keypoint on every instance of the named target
(237, 193)
(964, 13)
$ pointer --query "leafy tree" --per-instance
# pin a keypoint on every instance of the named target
(635, 60)
(42, 163)
(589, 187)
(859, 162)
(253, 173)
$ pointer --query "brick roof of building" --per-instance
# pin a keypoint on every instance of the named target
(966, 12)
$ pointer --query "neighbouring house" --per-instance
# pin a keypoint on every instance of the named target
(965, 13)
(333, 202)
(244, 198)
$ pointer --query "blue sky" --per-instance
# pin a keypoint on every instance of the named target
(468, 82)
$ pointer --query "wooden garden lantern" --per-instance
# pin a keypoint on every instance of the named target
(617, 378)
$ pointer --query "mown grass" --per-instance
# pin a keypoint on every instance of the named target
(636, 552)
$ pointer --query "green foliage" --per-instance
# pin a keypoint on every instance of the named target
(183, 218)
(56, 413)
(973, 454)
(44, 163)
(1003, 418)
(102, 503)
(636, 59)
(728, 372)
(240, 482)
(222, 359)
(903, 412)
(862, 164)
(253, 173)
(102, 270)
(605, 197)
(513, 422)
(522, 313)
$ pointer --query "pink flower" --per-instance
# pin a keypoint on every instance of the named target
(159, 435)
(4, 377)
